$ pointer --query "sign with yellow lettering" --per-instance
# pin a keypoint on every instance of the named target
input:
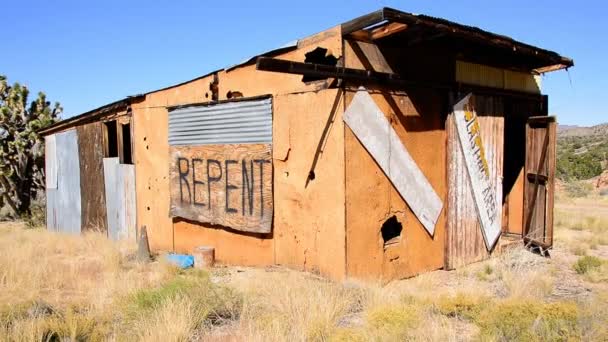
(228, 185)
(484, 194)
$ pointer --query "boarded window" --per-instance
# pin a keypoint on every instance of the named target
(221, 164)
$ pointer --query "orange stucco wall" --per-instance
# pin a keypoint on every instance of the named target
(308, 231)
(371, 198)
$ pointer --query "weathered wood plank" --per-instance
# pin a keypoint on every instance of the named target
(119, 182)
(374, 131)
(228, 185)
(539, 182)
(486, 193)
(92, 188)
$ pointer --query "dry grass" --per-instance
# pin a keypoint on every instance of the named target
(88, 288)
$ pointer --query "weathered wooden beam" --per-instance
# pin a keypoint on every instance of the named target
(320, 70)
(362, 22)
(364, 77)
(387, 30)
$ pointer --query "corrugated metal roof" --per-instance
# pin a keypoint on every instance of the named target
(224, 123)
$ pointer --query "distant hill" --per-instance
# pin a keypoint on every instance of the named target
(582, 152)
(579, 131)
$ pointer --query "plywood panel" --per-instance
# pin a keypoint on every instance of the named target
(251, 82)
(231, 247)
(90, 150)
(64, 204)
(228, 185)
(309, 199)
(465, 242)
(151, 152)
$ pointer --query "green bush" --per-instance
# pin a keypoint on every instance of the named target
(586, 264)
(529, 321)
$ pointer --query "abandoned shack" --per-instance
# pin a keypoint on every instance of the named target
(387, 146)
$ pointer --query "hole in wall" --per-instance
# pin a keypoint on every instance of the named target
(311, 175)
(206, 95)
(391, 231)
(319, 56)
(233, 94)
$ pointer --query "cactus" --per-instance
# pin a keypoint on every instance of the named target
(21, 147)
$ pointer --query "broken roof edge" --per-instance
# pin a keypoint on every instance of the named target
(89, 116)
(373, 19)
(386, 15)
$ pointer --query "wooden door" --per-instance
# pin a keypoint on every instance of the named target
(539, 181)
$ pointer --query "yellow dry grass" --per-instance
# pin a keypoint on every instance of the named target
(79, 288)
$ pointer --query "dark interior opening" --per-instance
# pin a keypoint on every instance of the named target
(391, 231)
(126, 144)
(319, 56)
(111, 139)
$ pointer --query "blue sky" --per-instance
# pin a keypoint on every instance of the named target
(86, 54)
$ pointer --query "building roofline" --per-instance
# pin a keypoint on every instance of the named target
(371, 20)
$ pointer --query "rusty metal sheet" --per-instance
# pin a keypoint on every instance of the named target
(371, 127)
(63, 203)
(227, 185)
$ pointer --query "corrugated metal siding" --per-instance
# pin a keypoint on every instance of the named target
(465, 243)
(224, 123)
(63, 203)
(120, 198)
(487, 76)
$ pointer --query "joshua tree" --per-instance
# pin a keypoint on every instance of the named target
(21, 148)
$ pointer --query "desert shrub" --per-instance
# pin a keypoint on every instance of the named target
(486, 273)
(529, 321)
(586, 264)
(461, 306)
(578, 189)
(393, 321)
(212, 302)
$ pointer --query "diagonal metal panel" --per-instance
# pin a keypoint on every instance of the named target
(375, 133)
(223, 123)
